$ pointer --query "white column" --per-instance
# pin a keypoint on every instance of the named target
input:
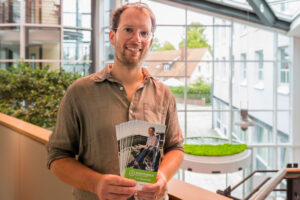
(295, 87)
(22, 30)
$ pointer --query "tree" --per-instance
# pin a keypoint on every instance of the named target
(156, 46)
(195, 37)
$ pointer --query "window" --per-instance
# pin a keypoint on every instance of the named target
(260, 65)
(166, 67)
(284, 71)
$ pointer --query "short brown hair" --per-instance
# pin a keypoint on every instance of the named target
(115, 19)
(152, 128)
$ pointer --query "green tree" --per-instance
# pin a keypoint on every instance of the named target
(195, 37)
(157, 46)
(166, 46)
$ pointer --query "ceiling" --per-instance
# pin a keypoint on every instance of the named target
(282, 15)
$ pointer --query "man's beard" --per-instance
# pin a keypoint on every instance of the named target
(123, 58)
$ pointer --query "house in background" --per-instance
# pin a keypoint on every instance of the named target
(171, 71)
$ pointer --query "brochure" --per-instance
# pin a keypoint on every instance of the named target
(140, 147)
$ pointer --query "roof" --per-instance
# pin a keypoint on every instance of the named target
(156, 68)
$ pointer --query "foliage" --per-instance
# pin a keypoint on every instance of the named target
(214, 150)
(156, 46)
(197, 90)
(195, 37)
(33, 94)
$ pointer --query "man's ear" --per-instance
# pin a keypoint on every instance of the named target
(112, 36)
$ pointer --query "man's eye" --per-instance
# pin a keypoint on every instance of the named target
(144, 33)
(128, 30)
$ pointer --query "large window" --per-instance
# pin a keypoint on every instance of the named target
(54, 33)
(194, 53)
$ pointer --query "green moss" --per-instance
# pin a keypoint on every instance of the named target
(214, 150)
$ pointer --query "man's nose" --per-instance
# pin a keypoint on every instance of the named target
(136, 36)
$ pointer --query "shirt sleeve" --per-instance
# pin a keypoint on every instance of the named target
(64, 140)
(174, 139)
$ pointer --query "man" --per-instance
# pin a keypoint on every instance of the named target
(93, 105)
(145, 150)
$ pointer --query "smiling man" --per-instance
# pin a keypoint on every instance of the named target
(83, 149)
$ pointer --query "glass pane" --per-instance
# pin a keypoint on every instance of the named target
(108, 48)
(166, 45)
(284, 157)
(252, 87)
(9, 43)
(200, 124)
(9, 11)
(247, 39)
(239, 133)
(220, 118)
(284, 127)
(43, 12)
(253, 127)
(198, 18)
(109, 6)
(51, 65)
(222, 22)
(180, 115)
(82, 69)
(43, 43)
(233, 179)
(6, 65)
(77, 13)
(199, 43)
(285, 8)
(264, 158)
(283, 66)
(221, 80)
(77, 45)
(210, 182)
(174, 15)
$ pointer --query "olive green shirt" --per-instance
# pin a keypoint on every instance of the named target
(91, 109)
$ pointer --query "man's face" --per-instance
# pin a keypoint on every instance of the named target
(150, 132)
(130, 50)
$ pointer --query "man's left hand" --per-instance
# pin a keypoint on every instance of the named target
(156, 190)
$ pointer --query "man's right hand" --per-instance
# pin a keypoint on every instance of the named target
(115, 187)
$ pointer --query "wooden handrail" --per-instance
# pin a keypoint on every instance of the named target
(34, 132)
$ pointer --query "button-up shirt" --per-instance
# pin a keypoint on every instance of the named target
(91, 108)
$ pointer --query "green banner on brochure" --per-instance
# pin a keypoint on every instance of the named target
(141, 175)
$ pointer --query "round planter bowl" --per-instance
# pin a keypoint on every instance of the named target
(215, 164)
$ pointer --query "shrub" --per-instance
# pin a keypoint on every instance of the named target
(33, 94)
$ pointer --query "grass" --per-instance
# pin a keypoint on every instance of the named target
(214, 150)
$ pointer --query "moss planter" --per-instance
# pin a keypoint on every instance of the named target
(217, 157)
(214, 150)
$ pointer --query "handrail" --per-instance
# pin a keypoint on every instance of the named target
(32, 131)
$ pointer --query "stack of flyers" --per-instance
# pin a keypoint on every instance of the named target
(140, 147)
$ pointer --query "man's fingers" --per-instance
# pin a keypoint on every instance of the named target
(120, 181)
(111, 196)
(121, 190)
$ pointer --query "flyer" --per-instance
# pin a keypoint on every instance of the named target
(140, 148)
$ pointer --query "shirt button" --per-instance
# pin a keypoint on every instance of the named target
(121, 88)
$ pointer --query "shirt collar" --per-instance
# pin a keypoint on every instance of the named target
(105, 74)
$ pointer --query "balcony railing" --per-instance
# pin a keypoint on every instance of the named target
(24, 175)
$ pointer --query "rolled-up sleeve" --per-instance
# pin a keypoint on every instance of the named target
(64, 140)
(174, 139)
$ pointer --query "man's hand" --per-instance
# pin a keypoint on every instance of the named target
(154, 191)
(115, 187)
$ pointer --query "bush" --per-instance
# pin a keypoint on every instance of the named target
(33, 94)
(195, 91)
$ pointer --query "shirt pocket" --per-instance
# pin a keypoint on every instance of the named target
(154, 113)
